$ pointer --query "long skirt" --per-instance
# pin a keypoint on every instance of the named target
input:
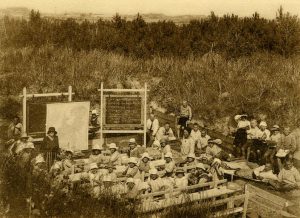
(50, 158)
(240, 137)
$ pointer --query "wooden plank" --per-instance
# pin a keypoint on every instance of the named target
(47, 94)
(24, 110)
(276, 200)
(184, 189)
(228, 212)
(101, 112)
(70, 93)
(149, 205)
(122, 131)
(145, 115)
(124, 90)
(245, 202)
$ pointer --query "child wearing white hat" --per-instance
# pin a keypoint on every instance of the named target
(115, 157)
(181, 180)
(165, 147)
(135, 149)
(169, 165)
(191, 160)
(96, 156)
(132, 170)
(144, 164)
(155, 183)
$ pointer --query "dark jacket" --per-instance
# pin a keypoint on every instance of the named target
(50, 145)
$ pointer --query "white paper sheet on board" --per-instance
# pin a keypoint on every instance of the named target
(71, 121)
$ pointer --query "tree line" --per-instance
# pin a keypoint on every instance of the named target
(229, 35)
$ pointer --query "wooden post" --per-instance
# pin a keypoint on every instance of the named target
(101, 114)
(24, 109)
(145, 115)
(70, 93)
(246, 202)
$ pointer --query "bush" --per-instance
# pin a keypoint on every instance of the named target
(9, 107)
(230, 35)
(18, 185)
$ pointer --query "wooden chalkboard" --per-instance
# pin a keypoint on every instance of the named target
(36, 118)
(123, 111)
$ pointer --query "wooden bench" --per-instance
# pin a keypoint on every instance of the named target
(216, 196)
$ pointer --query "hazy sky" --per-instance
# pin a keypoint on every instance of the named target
(266, 8)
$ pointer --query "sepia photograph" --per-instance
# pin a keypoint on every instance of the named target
(149, 108)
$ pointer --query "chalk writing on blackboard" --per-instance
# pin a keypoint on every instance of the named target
(123, 110)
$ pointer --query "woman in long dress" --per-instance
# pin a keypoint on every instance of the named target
(50, 146)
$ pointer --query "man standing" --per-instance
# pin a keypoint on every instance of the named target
(241, 134)
(185, 116)
(152, 128)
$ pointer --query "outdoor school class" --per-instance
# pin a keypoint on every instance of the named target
(155, 160)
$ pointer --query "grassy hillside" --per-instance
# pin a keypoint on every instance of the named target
(215, 87)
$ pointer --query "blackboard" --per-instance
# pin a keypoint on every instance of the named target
(36, 118)
(123, 110)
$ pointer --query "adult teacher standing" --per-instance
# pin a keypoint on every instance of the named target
(51, 146)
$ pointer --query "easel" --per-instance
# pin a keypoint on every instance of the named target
(143, 94)
(25, 96)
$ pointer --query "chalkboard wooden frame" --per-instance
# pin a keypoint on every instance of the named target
(121, 125)
(125, 128)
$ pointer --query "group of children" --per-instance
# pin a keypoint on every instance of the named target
(156, 167)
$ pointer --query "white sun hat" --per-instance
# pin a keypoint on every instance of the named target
(93, 166)
(263, 123)
(113, 145)
(133, 160)
(97, 147)
(146, 155)
(94, 111)
(132, 141)
(153, 171)
(169, 155)
(218, 141)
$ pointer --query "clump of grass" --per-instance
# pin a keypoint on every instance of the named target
(18, 185)
(215, 86)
